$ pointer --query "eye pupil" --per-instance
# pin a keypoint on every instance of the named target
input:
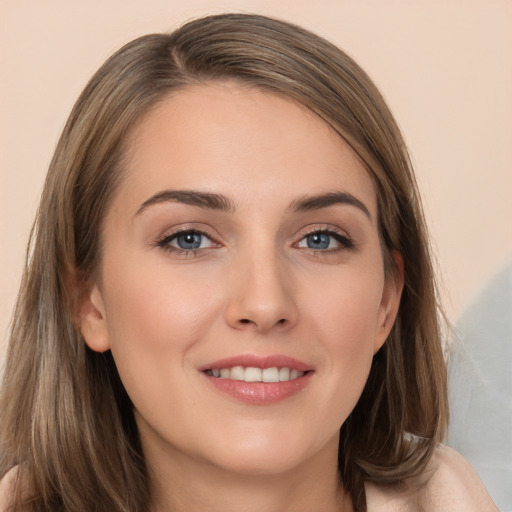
(318, 241)
(189, 240)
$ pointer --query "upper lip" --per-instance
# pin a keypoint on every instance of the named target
(250, 360)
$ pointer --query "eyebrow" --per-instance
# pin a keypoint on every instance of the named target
(317, 202)
(191, 197)
(222, 203)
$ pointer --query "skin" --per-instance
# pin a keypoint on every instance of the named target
(253, 287)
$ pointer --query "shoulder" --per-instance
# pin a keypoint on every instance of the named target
(6, 489)
(451, 484)
(454, 485)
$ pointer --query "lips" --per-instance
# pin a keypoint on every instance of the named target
(258, 380)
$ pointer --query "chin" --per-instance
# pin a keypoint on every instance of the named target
(270, 454)
(260, 463)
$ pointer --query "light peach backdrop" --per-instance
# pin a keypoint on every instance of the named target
(444, 66)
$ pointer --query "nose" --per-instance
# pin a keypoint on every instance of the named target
(262, 294)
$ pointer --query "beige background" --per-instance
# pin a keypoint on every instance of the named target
(444, 66)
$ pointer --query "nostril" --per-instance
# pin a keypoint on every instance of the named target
(265, 324)
(247, 321)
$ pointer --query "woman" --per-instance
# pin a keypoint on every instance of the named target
(228, 302)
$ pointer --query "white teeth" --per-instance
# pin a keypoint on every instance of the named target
(284, 374)
(270, 375)
(237, 373)
(294, 374)
(251, 374)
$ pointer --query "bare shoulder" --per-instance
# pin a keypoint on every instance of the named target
(8, 486)
(6, 489)
(451, 484)
(454, 485)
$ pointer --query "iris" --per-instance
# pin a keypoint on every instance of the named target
(189, 240)
(318, 241)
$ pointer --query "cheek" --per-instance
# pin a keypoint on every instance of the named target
(348, 308)
(153, 306)
(346, 316)
(153, 320)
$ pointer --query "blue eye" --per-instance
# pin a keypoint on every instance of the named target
(318, 241)
(325, 241)
(186, 241)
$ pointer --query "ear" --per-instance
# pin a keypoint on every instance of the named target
(390, 301)
(92, 320)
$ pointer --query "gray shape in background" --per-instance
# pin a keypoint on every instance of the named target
(480, 388)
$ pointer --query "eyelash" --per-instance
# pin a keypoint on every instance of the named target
(345, 242)
(165, 242)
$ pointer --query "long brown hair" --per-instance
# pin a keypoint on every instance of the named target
(67, 423)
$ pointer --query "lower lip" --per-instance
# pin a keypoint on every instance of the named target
(260, 393)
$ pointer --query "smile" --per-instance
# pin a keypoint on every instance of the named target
(257, 380)
(252, 374)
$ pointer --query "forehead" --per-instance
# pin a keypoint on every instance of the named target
(242, 142)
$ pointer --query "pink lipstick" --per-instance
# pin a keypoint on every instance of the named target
(258, 380)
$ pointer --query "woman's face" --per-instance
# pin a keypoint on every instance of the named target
(242, 289)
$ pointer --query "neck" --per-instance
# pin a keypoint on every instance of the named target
(247, 494)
